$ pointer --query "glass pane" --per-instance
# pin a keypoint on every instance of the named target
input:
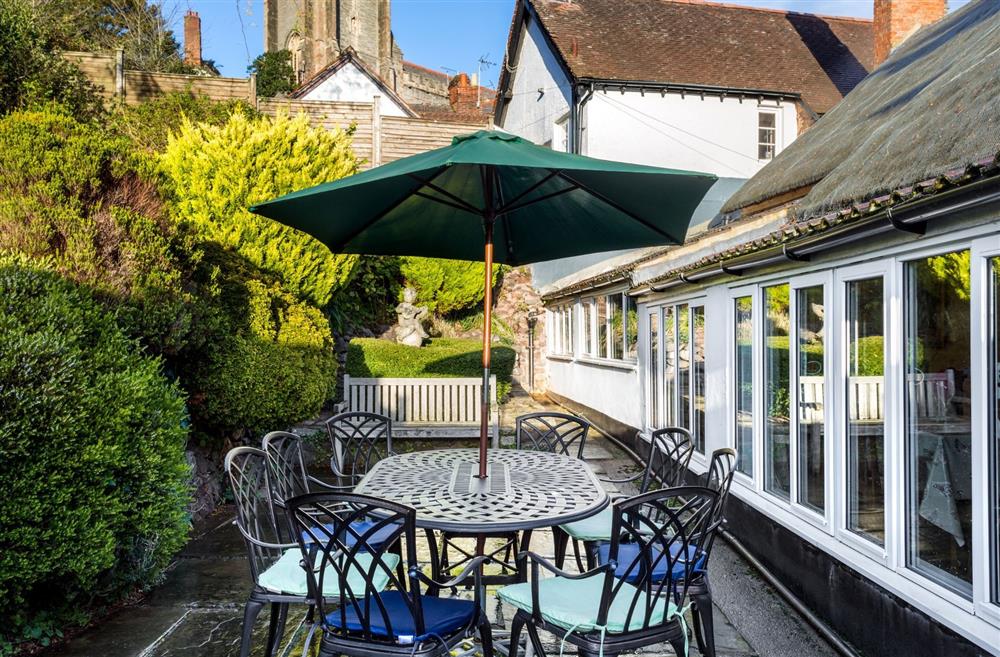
(588, 331)
(698, 376)
(776, 391)
(631, 328)
(766, 119)
(744, 384)
(669, 367)
(684, 367)
(569, 329)
(654, 369)
(617, 327)
(938, 358)
(602, 327)
(811, 338)
(865, 417)
(765, 136)
(994, 377)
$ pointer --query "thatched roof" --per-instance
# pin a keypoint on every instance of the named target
(932, 107)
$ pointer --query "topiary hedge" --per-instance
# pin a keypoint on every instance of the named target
(92, 440)
(445, 286)
(441, 357)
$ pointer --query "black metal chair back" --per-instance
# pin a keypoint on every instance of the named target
(359, 440)
(326, 528)
(559, 433)
(719, 479)
(286, 468)
(670, 452)
(668, 529)
(247, 471)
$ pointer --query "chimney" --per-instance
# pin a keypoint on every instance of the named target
(896, 20)
(192, 38)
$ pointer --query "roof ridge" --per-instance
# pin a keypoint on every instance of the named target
(730, 5)
(442, 74)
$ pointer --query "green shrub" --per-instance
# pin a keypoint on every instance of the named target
(94, 477)
(442, 357)
(271, 361)
(216, 172)
(31, 72)
(275, 74)
(68, 191)
(148, 125)
(370, 298)
(445, 286)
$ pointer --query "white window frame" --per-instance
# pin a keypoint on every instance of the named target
(776, 113)
(592, 352)
(557, 337)
(734, 293)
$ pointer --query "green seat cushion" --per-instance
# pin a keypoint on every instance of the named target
(573, 604)
(594, 528)
(287, 575)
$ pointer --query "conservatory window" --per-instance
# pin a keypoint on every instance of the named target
(993, 422)
(865, 403)
(810, 331)
(776, 391)
(653, 414)
(684, 370)
(938, 429)
(743, 394)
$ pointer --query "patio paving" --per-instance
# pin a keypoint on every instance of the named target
(198, 609)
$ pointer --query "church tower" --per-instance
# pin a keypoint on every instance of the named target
(317, 31)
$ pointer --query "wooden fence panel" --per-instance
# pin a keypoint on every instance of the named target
(99, 69)
(402, 137)
(331, 115)
(143, 85)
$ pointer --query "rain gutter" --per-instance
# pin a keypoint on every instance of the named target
(909, 217)
(606, 84)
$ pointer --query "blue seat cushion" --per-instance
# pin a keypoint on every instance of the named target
(442, 617)
(358, 529)
(594, 528)
(631, 572)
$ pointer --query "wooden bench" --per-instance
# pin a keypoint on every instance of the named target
(930, 393)
(425, 407)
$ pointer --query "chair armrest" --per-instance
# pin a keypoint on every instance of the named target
(264, 544)
(538, 560)
(626, 480)
(472, 568)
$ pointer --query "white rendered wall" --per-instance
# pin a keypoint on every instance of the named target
(711, 135)
(531, 114)
(350, 84)
(612, 390)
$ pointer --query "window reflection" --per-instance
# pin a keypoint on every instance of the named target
(698, 376)
(654, 368)
(938, 419)
(669, 367)
(684, 366)
(865, 404)
(776, 390)
(744, 384)
(811, 334)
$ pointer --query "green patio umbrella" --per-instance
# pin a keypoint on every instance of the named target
(495, 196)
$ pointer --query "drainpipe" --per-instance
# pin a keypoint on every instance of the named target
(578, 104)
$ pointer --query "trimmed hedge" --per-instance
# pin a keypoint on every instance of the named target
(441, 357)
(92, 437)
(445, 286)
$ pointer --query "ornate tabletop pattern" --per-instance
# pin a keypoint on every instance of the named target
(524, 489)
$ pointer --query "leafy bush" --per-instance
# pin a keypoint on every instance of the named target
(92, 438)
(275, 74)
(371, 296)
(445, 286)
(68, 191)
(216, 172)
(442, 357)
(148, 125)
(30, 72)
(271, 362)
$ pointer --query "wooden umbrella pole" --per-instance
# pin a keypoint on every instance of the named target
(484, 421)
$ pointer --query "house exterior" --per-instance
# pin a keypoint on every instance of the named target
(349, 79)
(838, 325)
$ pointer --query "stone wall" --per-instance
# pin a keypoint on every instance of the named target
(516, 299)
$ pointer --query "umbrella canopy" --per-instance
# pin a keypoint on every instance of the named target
(495, 196)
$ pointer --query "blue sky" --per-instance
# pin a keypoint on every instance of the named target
(448, 35)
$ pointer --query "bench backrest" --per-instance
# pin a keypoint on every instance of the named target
(450, 401)
(929, 394)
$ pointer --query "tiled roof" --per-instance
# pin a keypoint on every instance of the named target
(447, 114)
(700, 43)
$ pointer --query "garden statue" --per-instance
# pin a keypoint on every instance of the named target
(409, 326)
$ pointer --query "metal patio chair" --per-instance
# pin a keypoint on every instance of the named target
(369, 619)
(670, 452)
(719, 478)
(358, 441)
(636, 597)
(275, 565)
(558, 433)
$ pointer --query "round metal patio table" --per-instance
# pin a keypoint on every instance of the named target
(523, 490)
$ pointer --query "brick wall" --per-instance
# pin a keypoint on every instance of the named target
(895, 20)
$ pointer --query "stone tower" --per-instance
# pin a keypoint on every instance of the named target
(317, 31)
